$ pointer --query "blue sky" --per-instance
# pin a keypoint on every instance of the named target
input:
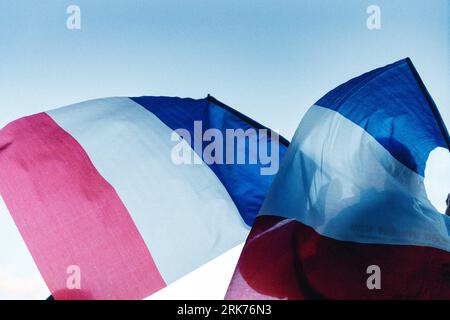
(269, 59)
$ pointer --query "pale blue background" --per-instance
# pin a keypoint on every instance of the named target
(269, 59)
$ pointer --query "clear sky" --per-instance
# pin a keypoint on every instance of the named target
(269, 59)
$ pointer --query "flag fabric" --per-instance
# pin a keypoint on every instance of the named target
(347, 216)
(95, 194)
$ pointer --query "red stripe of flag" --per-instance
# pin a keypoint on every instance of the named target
(284, 258)
(69, 215)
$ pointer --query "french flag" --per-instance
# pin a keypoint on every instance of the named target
(96, 195)
(347, 216)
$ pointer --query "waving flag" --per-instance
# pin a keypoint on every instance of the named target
(347, 216)
(106, 211)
